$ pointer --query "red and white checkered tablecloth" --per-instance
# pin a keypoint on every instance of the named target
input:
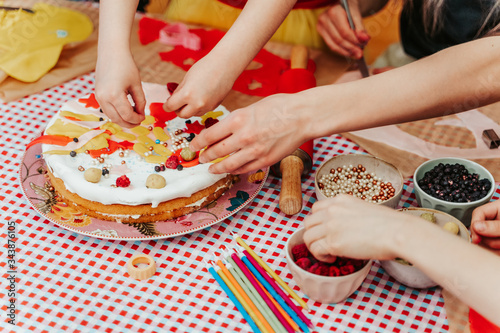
(67, 282)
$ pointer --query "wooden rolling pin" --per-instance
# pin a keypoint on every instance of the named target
(292, 167)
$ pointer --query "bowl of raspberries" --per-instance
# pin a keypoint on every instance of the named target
(320, 281)
(453, 185)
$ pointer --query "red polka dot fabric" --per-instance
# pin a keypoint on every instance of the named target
(67, 282)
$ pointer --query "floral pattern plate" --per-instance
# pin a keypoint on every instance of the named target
(42, 197)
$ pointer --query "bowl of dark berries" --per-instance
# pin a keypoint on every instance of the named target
(364, 176)
(402, 270)
(320, 281)
(453, 185)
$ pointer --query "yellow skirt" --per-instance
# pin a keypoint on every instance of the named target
(298, 28)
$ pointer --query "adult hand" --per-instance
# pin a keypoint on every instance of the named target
(202, 89)
(257, 136)
(485, 226)
(116, 78)
(350, 227)
(334, 27)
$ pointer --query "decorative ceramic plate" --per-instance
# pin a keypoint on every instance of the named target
(39, 192)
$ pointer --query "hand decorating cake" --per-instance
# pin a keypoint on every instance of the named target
(142, 174)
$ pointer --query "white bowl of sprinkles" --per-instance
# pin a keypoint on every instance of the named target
(364, 176)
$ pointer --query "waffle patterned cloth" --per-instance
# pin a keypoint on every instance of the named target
(67, 282)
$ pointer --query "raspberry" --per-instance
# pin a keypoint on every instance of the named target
(122, 181)
(171, 86)
(319, 268)
(209, 122)
(172, 162)
(347, 269)
(300, 251)
(304, 263)
(334, 271)
(359, 264)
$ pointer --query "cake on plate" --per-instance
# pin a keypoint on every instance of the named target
(142, 174)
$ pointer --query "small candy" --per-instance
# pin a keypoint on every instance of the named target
(92, 175)
(155, 181)
(179, 167)
(187, 154)
(429, 217)
(72, 153)
(451, 227)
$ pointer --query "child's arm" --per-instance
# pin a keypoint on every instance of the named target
(211, 78)
(347, 226)
(116, 73)
(485, 226)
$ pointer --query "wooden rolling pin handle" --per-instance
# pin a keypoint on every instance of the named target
(290, 201)
(299, 57)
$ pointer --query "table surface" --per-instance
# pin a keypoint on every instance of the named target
(69, 282)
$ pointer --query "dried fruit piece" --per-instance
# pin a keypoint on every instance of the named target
(122, 181)
(334, 271)
(172, 162)
(304, 263)
(300, 251)
(209, 122)
(347, 269)
(319, 268)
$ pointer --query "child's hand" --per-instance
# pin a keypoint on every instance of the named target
(116, 78)
(202, 89)
(485, 226)
(350, 227)
(334, 27)
(256, 136)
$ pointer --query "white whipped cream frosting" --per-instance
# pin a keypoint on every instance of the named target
(179, 183)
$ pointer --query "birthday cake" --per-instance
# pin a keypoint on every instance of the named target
(142, 174)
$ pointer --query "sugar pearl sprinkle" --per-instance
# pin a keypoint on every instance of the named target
(355, 181)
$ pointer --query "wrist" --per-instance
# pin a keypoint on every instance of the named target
(409, 237)
(327, 111)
